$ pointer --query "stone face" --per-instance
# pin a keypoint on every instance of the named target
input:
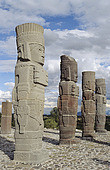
(100, 105)
(68, 100)
(6, 117)
(88, 107)
(28, 93)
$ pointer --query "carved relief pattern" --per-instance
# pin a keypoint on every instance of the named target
(88, 108)
(100, 105)
(68, 100)
(28, 93)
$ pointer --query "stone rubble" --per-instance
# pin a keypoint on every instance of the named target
(85, 155)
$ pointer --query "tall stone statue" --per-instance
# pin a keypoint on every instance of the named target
(100, 105)
(6, 117)
(68, 100)
(28, 93)
(88, 104)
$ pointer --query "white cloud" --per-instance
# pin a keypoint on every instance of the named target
(90, 13)
(108, 103)
(7, 65)
(50, 36)
(90, 47)
(10, 85)
(52, 66)
(8, 47)
(5, 95)
(39, 7)
(12, 17)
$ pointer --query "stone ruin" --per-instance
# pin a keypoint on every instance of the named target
(68, 100)
(28, 94)
(100, 90)
(88, 107)
(6, 117)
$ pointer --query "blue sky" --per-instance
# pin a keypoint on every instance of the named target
(79, 28)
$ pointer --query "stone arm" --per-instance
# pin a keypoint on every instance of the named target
(40, 76)
(67, 74)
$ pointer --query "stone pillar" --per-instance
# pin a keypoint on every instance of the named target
(28, 94)
(88, 104)
(6, 117)
(100, 105)
(68, 100)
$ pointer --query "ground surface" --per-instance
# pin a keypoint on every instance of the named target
(85, 155)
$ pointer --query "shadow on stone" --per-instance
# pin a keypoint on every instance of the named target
(78, 132)
(50, 140)
(101, 161)
(95, 141)
(57, 133)
(8, 147)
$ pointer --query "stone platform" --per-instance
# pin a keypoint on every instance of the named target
(85, 155)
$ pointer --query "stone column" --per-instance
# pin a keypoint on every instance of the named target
(6, 117)
(68, 100)
(88, 104)
(100, 105)
(28, 94)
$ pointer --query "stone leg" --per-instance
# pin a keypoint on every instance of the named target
(100, 123)
(88, 115)
(68, 119)
(28, 147)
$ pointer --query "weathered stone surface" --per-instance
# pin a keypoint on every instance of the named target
(68, 69)
(100, 87)
(6, 117)
(28, 93)
(88, 107)
(88, 80)
(68, 100)
(100, 105)
(68, 88)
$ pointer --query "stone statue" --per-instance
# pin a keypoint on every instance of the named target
(28, 93)
(68, 100)
(100, 105)
(6, 117)
(88, 108)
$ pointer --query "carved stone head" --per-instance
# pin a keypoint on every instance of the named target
(30, 43)
(68, 69)
(88, 80)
